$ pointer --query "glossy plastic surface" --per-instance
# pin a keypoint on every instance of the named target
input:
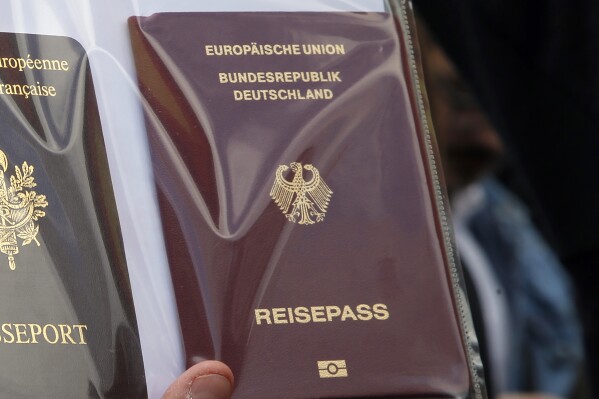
(101, 29)
(235, 136)
(68, 323)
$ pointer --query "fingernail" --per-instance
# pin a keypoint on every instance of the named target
(211, 386)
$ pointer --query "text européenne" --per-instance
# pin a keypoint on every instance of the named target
(23, 64)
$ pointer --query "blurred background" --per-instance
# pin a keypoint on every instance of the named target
(514, 93)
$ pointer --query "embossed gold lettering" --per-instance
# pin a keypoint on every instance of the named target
(322, 314)
(65, 332)
(273, 49)
(21, 64)
(54, 330)
(318, 315)
(21, 332)
(381, 312)
(279, 77)
(333, 312)
(282, 94)
(364, 312)
(80, 328)
(34, 333)
(302, 315)
(7, 331)
(263, 315)
(323, 49)
(279, 315)
(27, 91)
(348, 313)
(291, 316)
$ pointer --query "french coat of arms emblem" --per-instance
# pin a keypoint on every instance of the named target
(20, 209)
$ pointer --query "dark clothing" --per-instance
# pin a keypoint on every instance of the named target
(535, 69)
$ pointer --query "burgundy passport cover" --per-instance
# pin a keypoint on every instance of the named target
(302, 227)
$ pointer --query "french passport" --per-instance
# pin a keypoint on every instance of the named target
(67, 323)
(304, 219)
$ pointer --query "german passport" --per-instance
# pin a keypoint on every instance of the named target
(67, 323)
(304, 219)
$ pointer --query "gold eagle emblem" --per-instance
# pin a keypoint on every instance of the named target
(19, 209)
(307, 199)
